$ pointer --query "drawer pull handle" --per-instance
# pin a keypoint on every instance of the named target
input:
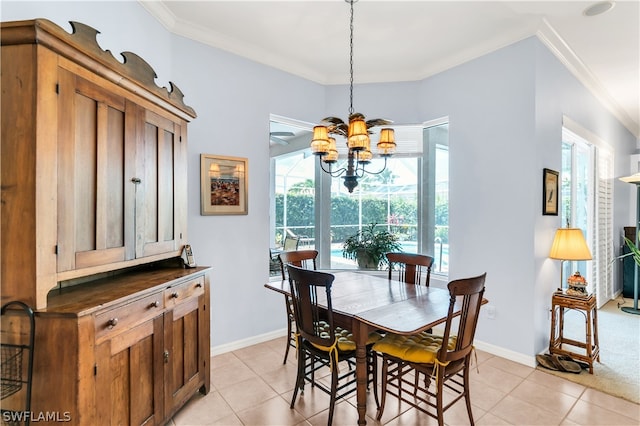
(198, 285)
(174, 295)
(155, 304)
(112, 322)
(136, 180)
(165, 355)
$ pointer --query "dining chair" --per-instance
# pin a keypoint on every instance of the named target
(437, 361)
(410, 268)
(302, 258)
(318, 338)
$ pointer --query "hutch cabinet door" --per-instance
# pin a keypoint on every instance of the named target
(161, 159)
(186, 328)
(129, 378)
(96, 159)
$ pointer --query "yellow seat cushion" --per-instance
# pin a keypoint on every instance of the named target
(420, 348)
(345, 337)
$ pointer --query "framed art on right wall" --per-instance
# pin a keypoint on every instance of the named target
(550, 187)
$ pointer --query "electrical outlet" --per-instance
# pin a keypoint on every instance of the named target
(491, 312)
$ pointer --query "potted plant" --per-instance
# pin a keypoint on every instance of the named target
(368, 246)
(634, 251)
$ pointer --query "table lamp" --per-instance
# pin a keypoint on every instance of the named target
(634, 179)
(569, 244)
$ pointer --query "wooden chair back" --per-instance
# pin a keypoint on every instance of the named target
(468, 293)
(410, 268)
(308, 289)
(301, 258)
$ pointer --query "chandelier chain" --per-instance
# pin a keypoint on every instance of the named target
(351, 61)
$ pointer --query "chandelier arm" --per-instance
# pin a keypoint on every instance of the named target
(362, 167)
(333, 173)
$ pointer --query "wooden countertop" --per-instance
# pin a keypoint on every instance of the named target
(83, 299)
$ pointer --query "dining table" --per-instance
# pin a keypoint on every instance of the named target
(364, 301)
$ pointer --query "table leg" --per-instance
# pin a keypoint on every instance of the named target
(360, 334)
(560, 325)
(552, 335)
(589, 346)
(595, 332)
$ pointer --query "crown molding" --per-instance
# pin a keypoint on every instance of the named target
(550, 38)
(544, 32)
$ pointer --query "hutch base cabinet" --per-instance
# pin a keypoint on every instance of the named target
(124, 350)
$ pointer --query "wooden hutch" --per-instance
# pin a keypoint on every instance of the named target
(94, 219)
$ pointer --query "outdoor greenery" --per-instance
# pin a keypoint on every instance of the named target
(369, 245)
(400, 217)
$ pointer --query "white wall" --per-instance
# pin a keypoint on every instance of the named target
(493, 179)
(505, 113)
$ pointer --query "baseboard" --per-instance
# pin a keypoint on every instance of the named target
(529, 361)
(254, 340)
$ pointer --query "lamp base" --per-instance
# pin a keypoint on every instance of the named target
(630, 310)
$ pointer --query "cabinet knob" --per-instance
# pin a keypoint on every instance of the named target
(165, 355)
(112, 322)
(174, 295)
(136, 180)
(154, 304)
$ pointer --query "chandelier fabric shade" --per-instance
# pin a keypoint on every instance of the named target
(358, 136)
(356, 133)
(332, 152)
(320, 140)
(569, 244)
(387, 143)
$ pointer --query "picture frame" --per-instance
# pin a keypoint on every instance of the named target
(550, 195)
(223, 185)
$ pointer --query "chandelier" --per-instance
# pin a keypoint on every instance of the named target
(356, 133)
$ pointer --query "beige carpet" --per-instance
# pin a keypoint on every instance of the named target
(618, 372)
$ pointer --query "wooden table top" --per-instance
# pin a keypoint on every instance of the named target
(382, 303)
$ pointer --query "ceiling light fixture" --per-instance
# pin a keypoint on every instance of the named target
(356, 134)
(599, 8)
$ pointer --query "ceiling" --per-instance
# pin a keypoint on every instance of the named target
(411, 40)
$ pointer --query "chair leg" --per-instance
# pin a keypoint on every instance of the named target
(334, 389)
(383, 398)
(289, 327)
(467, 396)
(439, 396)
(300, 378)
(286, 351)
(374, 371)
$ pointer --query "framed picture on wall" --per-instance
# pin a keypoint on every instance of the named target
(550, 188)
(223, 185)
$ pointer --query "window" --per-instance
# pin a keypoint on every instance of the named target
(587, 170)
(409, 198)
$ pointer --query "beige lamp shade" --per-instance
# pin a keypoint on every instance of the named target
(365, 156)
(320, 140)
(387, 143)
(631, 179)
(358, 136)
(569, 244)
(332, 152)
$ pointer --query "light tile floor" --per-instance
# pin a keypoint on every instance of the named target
(251, 386)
